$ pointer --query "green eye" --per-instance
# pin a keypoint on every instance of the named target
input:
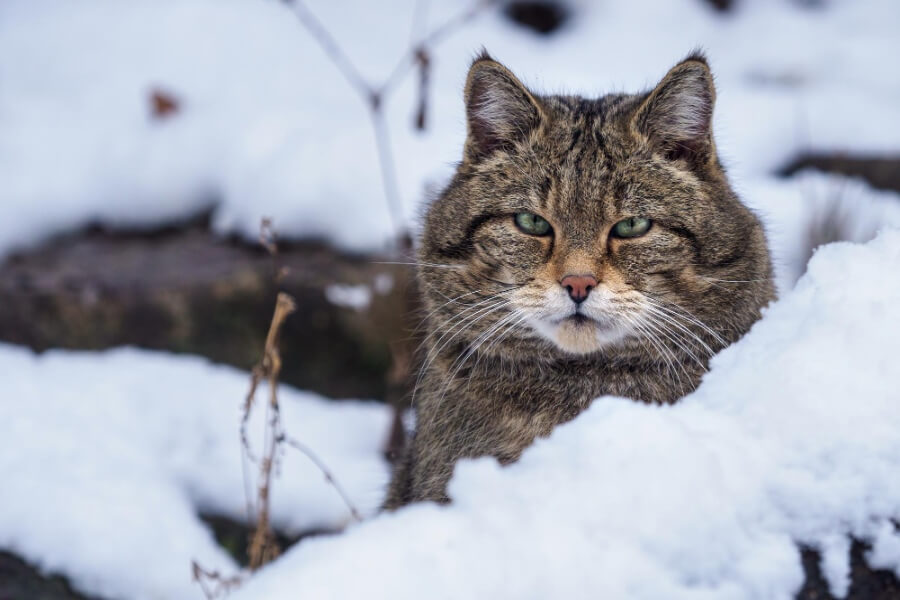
(532, 224)
(631, 227)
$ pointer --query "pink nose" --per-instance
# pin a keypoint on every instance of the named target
(578, 286)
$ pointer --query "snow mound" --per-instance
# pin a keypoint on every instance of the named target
(791, 437)
(108, 457)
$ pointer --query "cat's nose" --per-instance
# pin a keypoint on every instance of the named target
(578, 286)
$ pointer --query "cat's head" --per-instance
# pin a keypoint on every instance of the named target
(577, 225)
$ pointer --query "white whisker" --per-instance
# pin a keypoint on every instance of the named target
(461, 325)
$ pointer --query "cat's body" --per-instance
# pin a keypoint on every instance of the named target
(584, 248)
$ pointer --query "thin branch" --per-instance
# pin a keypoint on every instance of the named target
(329, 477)
(418, 21)
(212, 583)
(375, 96)
(331, 47)
(431, 39)
(263, 547)
(388, 170)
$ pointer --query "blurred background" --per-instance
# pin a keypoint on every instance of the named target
(168, 166)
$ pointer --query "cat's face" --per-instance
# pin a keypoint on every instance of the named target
(576, 226)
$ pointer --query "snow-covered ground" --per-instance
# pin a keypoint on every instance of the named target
(108, 457)
(792, 437)
(267, 126)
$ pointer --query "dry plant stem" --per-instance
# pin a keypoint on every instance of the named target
(263, 547)
(212, 583)
(331, 47)
(388, 170)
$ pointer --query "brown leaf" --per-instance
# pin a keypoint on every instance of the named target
(163, 104)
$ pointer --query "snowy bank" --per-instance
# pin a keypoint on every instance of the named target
(267, 126)
(108, 457)
(792, 437)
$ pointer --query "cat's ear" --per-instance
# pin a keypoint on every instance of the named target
(676, 117)
(499, 109)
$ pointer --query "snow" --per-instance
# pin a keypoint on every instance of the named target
(358, 297)
(108, 458)
(791, 437)
(267, 126)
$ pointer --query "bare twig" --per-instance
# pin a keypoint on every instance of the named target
(388, 170)
(431, 39)
(331, 47)
(263, 546)
(212, 583)
(314, 458)
(423, 60)
(376, 95)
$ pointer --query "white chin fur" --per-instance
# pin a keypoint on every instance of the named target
(578, 338)
(606, 327)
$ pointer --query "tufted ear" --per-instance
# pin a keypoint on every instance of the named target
(676, 116)
(499, 109)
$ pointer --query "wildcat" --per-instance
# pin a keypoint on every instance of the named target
(584, 247)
